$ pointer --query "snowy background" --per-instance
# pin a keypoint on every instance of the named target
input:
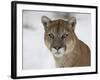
(35, 53)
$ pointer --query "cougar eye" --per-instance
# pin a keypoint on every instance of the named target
(64, 35)
(51, 35)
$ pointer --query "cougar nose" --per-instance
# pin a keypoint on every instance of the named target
(57, 47)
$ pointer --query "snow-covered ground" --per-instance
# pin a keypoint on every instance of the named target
(35, 53)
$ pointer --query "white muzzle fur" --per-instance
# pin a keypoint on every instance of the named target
(58, 53)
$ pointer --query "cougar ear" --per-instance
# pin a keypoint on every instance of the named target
(45, 20)
(72, 21)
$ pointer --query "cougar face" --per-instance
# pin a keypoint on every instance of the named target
(59, 35)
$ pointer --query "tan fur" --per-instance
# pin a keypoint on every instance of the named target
(76, 52)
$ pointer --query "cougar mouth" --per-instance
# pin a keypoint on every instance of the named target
(58, 53)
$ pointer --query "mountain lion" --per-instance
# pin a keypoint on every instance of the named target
(61, 40)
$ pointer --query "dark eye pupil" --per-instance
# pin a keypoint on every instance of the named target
(64, 36)
(51, 36)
